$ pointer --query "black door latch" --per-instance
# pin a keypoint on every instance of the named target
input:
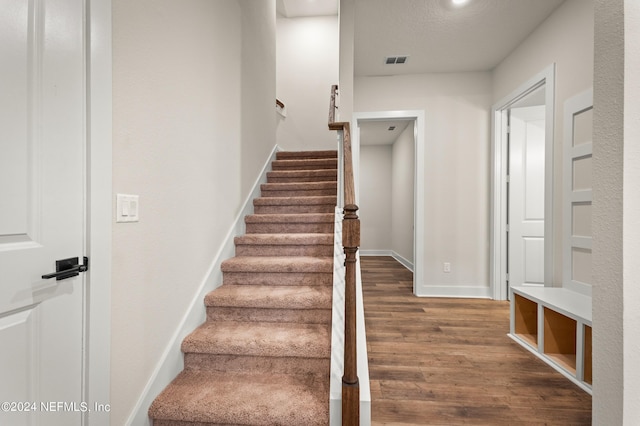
(67, 268)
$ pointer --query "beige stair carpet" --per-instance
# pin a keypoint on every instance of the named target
(263, 355)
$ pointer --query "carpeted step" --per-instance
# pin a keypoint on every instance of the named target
(266, 270)
(290, 223)
(311, 244)
(299, 189)
(292, 155)
(283, 176)
(312, 164)
(302, 304)
(198, 398)
(282, 340)
(290, 348)
(287, 205)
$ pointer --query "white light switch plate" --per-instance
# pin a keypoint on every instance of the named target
(127, 208)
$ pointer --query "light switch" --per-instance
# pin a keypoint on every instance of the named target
(127, 207)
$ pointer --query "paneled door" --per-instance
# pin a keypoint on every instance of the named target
(42, 199)
(526, 195)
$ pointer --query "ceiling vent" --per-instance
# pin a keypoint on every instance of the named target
(390, 60)
(391, 128)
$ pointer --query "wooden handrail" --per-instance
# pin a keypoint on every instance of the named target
(279, 103)
(350, 242)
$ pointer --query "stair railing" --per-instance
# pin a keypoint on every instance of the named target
(350, 242)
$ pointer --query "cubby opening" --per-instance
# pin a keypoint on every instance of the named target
(526, 320)
(560, 339)
(588, 374)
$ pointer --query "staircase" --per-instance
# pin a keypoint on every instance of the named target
(262, 357)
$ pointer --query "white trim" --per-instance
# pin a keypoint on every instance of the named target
(573, 106)
(498, 243)
(419, 176)
(376, 253)
(402, 260)
(171, 362)
(97, 355)
(445, 290)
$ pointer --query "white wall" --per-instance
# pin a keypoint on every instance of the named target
(375, 197)
(402, 177)
(456, 164)
(566, 39)
(258, 87)
(182, 141)
(307, 67)
(616, 230)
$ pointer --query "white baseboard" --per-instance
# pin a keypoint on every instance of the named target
(172, 362)
(469, 292)
(405, 262)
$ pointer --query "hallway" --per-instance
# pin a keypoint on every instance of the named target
(449, 361)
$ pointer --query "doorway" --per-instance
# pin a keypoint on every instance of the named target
(412, 233)
(522, 188)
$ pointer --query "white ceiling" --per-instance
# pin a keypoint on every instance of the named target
(436, 35)
(377, 133)
(302, 8)
(439, 37)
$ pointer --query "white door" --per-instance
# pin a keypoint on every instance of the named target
(526, 196)
(42, 178)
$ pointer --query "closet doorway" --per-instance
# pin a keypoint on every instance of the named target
(389, 186)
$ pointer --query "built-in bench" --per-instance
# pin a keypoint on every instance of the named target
(555, 325)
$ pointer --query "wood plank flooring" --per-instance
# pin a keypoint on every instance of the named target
(436, 361)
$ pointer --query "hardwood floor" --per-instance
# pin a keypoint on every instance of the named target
(436, 361)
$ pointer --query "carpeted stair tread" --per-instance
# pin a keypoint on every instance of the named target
(304, 164)
(283, 176)
(295, 201)
(270, 297)
(322, 223)
(211, 397)
(288, 155)
(266, 264)
(285, 239)
(285, 340)
(290, 218)
(298, 205)
(299, 189)
(289, 244)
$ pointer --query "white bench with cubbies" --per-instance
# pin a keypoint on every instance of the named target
(555, 324)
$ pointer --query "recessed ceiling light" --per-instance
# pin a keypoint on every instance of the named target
(459, 2)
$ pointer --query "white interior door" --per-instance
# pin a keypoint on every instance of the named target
(526, 196)
(42, 178)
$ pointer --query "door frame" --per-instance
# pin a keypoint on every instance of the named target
(499, 195)
(418, 197)
(98, 210)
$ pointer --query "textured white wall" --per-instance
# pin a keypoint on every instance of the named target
(375, 197)
(616, 229)
(456, 164)
(182, 141)
(566, 39)
(307, 66)
(402, 177)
